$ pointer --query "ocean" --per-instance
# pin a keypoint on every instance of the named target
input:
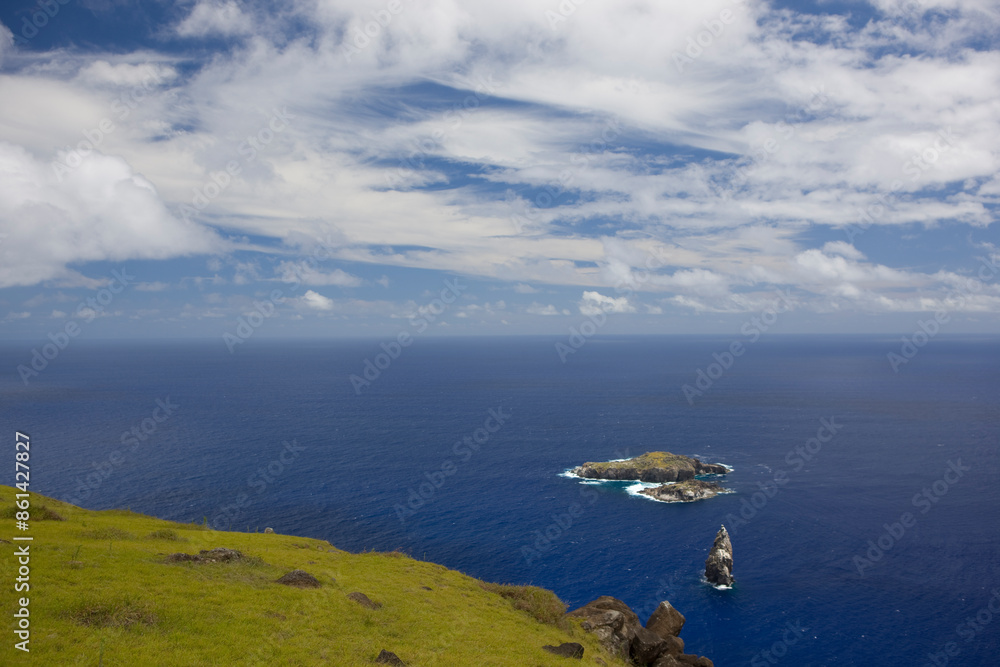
(865, 508)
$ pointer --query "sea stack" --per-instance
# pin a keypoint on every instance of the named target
(719, 564)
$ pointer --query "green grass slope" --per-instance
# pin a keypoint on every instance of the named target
(102, 593)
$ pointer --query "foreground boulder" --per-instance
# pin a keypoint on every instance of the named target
(618, 629)
(719, 564)
(666, 621)
(612, 621)
(684, 492)
(658, 467)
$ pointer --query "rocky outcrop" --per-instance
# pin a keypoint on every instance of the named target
(618, 629)
(656, 467)
(667, 621)
(719, 564)
(684, 492)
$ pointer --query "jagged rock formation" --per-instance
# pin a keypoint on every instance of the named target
(620, 633)
(719, 564)
(657, 467)
(666, 621)
(684, 492)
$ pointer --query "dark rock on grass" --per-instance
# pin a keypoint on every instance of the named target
(217, 555)
(220, 555)
(364, 600)
(299, 579)
(388, 658)
(182, 558)
(567, 650)
(666, 621)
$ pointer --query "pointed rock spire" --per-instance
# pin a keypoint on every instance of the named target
(719, 564)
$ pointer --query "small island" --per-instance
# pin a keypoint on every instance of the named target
(658, 467)
(684, 492)
(676, 473)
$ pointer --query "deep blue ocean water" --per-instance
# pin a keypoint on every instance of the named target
(357, 460)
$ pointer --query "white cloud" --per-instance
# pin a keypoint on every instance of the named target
(103, 72)
(211, 17)
(315, 301)
(819, 124)
(295, 272)
(538, 309)
(843, 249)
(594, 303)
(815, 267)
(6, 41)
(99, 211)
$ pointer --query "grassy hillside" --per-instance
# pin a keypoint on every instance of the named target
(103, 593)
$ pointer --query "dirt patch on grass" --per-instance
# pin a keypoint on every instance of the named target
(165, 534)
(114, 613)
(107, 533)
(40, 513)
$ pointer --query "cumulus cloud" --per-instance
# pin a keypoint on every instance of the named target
(594, 303)
(99, 211)
(315, 301)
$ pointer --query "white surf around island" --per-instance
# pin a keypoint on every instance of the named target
(634, 487)
(718, 587)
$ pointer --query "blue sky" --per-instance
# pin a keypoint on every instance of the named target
(671, 167)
